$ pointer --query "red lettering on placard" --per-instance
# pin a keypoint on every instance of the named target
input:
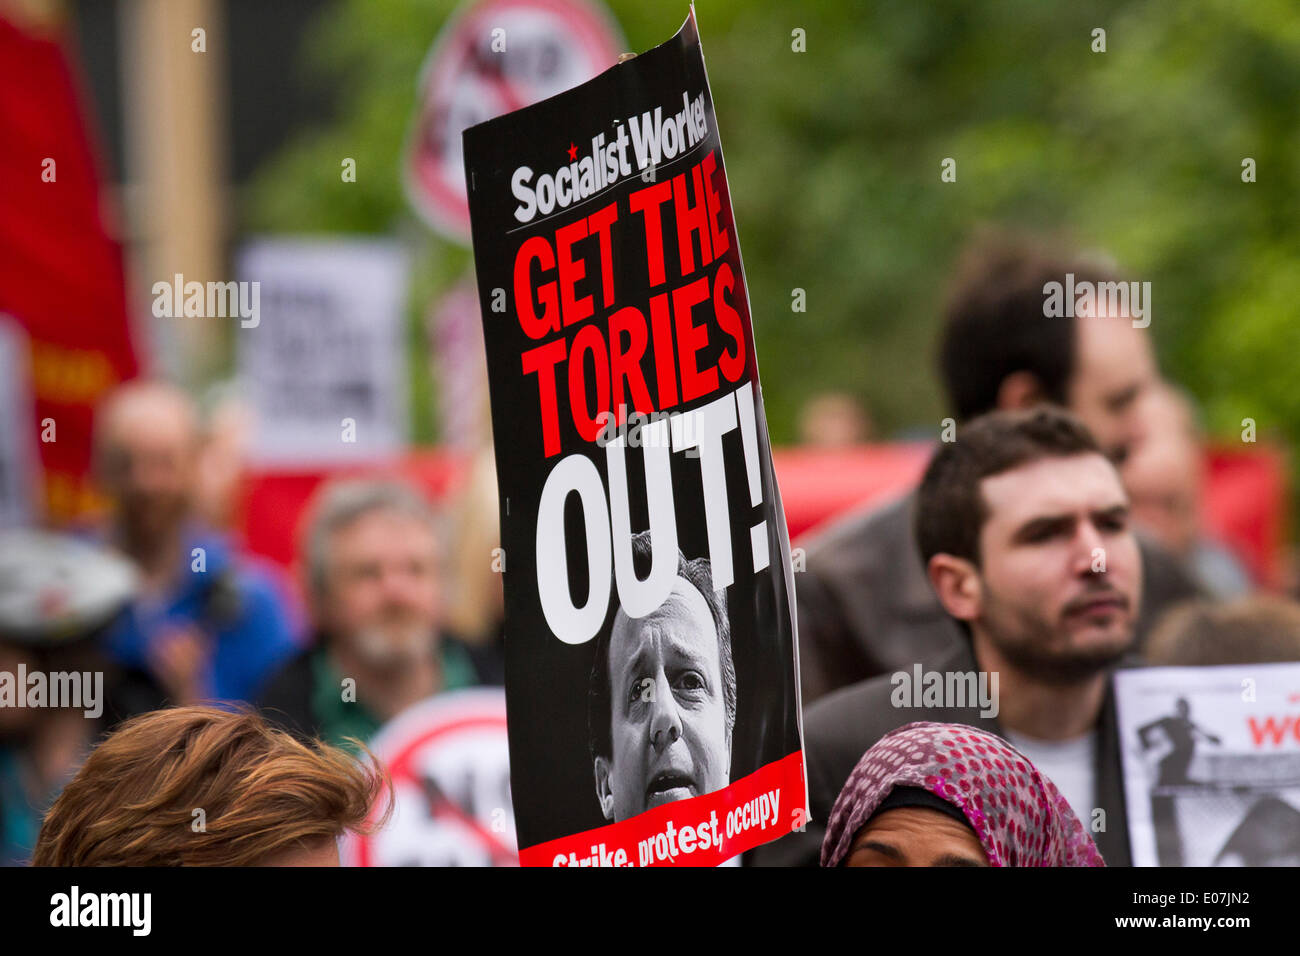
(607, 360)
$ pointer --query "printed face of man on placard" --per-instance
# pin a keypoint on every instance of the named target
(671, 706)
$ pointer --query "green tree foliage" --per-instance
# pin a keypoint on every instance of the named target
(834, 158)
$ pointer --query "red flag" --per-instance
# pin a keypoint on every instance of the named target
(61, 271)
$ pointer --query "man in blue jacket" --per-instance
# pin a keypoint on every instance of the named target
(205, 624)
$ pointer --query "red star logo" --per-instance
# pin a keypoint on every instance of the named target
(573, 152)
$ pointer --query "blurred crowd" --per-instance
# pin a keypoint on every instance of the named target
(1057, 534)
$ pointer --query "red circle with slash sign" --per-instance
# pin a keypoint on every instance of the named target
(448, 759)
(493, 58)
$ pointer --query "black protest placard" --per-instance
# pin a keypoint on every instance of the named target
(651, 663)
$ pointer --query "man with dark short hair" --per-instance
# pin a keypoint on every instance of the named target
(662, 699)
(864, 605)
(1022, 527)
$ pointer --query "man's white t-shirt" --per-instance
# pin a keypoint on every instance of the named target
(1067, 763)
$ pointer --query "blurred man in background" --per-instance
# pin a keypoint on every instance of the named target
(1251, 630)
(834, 420)
(865, 607)
(205, 625)
(1165, 477)
(373, 565)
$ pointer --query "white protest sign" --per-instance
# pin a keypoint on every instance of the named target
(449, 761)
(324, 363)
(1212, 764)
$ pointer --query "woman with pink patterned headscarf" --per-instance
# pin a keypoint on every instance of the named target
(948, 794)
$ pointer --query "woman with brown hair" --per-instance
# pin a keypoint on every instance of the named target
(199, 786)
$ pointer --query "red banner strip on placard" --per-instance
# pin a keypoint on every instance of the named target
(703, 831)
